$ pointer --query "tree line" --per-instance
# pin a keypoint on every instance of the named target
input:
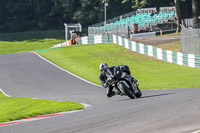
(22, 15)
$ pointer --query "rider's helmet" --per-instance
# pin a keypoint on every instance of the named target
(122, 67)
(103, 67)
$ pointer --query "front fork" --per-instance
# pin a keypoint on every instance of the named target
(135, 86)
(121, 89)
(117, 88)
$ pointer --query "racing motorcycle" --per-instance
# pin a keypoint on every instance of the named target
(121, 83)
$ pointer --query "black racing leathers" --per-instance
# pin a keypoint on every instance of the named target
(111, 71)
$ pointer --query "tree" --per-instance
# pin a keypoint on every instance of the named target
(159, 3)
(90, 12)
(63, 10)
(181, 14)
(178, 13)
(18, 14)
(196, 13)
(116, 8)
(137, 4)
(2, 15)
(41, 11)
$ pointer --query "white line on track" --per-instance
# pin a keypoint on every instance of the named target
(66, 70)
(73, 73)
(4, 93)
(196, 131)
(86, 106)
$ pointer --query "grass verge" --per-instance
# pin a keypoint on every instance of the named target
(173, 46)
(84, 61)
(16, 108)
(29, 41)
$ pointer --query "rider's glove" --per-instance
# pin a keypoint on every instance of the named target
(105, 85)
(134, 80)
(112, 76)
(130, 79)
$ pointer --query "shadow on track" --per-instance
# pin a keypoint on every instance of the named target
(158, 95)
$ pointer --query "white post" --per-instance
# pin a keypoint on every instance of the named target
(105, 13)
(105, 4)
(80, 27)
(66, 30)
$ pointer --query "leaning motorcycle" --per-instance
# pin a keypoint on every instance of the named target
(121, 83)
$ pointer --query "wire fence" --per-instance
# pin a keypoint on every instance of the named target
(117, 29)
(190, 40)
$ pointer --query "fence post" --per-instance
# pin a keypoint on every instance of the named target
(160, 32)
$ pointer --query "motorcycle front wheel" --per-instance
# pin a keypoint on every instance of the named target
(128, 91)
(138, 92)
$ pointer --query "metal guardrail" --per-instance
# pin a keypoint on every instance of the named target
(179, 58)
(190, 40)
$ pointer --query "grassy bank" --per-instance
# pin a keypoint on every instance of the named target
(29, 41)
(16, 108)
(173, 46)
(84, 61)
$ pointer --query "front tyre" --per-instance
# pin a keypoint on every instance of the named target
(138, 92)
(128, 91)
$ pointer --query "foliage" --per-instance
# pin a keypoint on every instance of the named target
(90, 10)
(21, 15)
(137, 3)
(149, 3)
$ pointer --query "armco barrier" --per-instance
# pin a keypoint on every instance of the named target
(179, 58)
(161, 54)
(89, 40)
(95, 39)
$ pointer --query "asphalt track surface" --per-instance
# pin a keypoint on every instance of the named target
(157, 111)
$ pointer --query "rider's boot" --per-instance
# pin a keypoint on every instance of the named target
(117, 93)
(113, 93)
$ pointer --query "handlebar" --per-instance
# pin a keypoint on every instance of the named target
(112, 79)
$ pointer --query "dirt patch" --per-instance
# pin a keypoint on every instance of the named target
(155, 40)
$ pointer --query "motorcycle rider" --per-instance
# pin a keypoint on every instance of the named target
(105, 71)
(125, 69)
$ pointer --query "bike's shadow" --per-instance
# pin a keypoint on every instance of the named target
(150, 96)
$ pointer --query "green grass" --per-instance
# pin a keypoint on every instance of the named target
(84, 61)
(173, 46)
(16, 108)
(170, 34)
(29, 41)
